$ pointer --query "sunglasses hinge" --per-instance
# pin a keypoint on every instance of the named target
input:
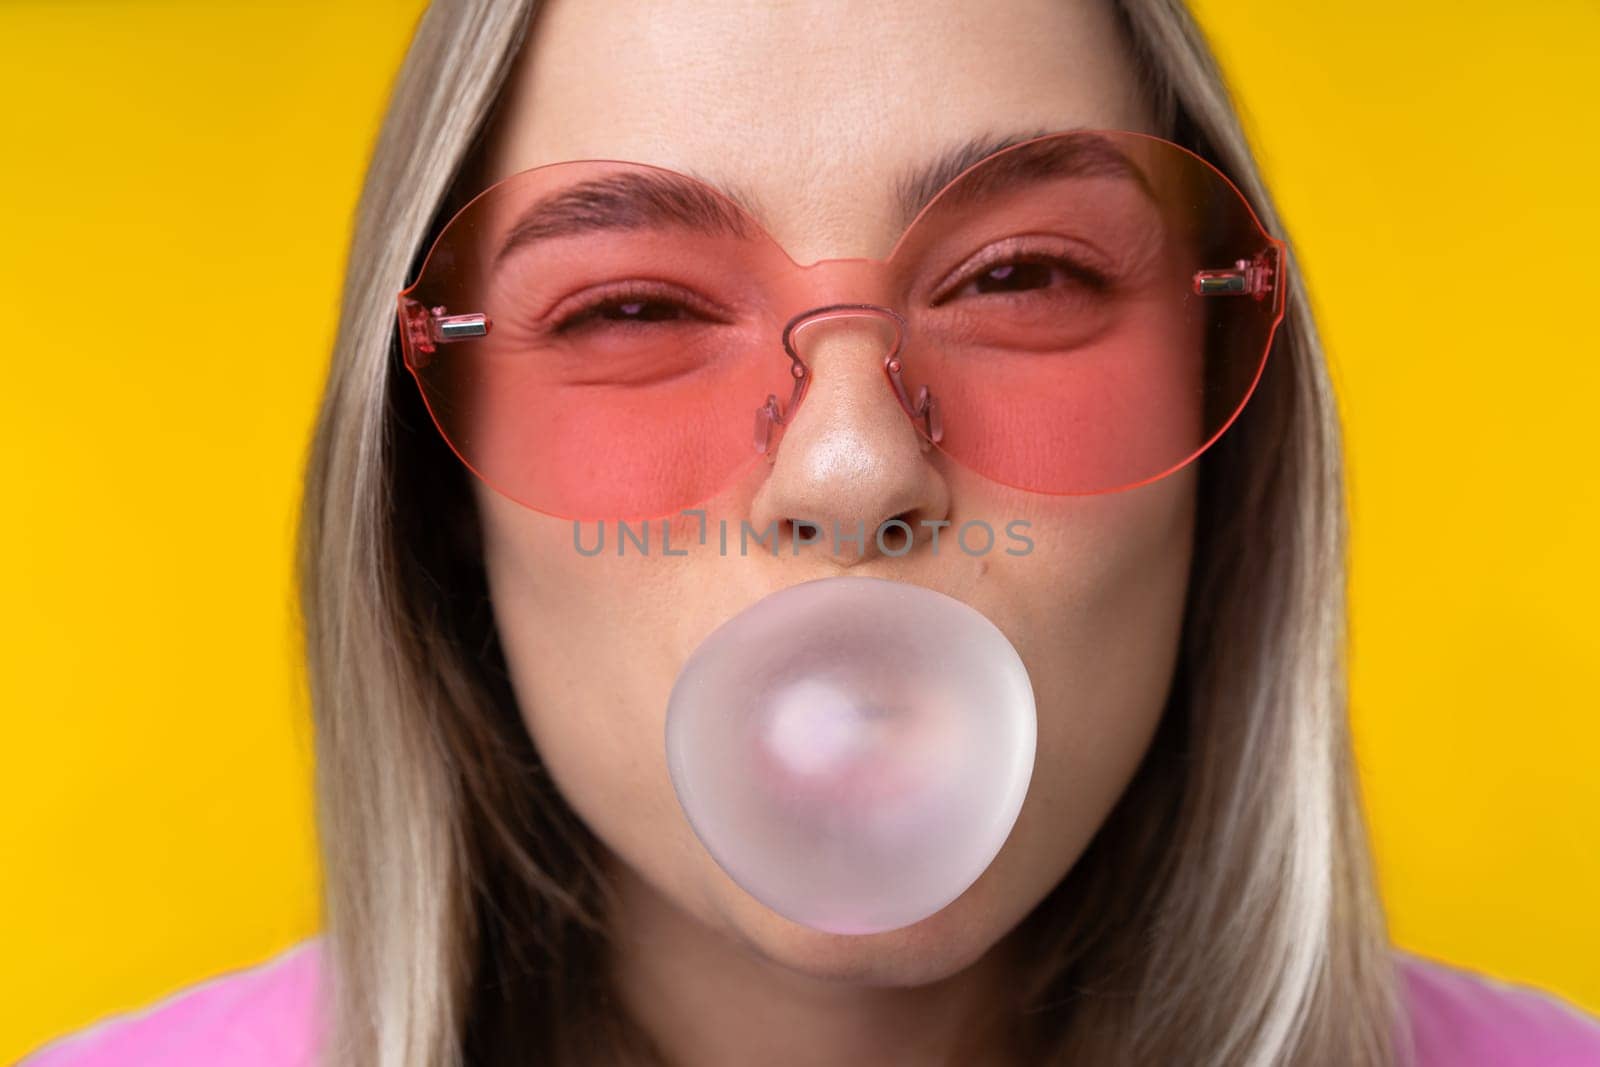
(424, 329)
(1255, 278)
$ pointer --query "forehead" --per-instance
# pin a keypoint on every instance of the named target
(813, 113)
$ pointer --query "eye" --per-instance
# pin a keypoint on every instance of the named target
(1026, 273)
(1028, 267)
(627, 306)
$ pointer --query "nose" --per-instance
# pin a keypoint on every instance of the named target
(849, 460)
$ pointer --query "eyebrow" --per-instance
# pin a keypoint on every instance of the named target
(1081, 156)
(628, 200)
(650, 198)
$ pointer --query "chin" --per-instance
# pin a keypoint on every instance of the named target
(943, 944)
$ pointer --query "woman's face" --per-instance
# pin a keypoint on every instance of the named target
(815, 112)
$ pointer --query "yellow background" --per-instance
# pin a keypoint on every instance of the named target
(177, 189)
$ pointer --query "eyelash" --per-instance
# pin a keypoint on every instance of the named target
(591, 306)
(1076, 270)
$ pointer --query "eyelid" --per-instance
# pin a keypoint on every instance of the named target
(1090, 259)
(571, 307)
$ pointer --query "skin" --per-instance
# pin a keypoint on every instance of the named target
(812, 111)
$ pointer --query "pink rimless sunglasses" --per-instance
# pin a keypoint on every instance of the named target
(1077, 313)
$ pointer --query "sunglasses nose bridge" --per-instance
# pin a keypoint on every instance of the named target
(805, 332)
(839, 343)
(842, 331)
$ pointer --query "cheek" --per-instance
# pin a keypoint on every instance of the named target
(1100, 641)
(592, 645)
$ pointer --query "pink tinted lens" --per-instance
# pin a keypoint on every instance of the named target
(631, 339)
(1054, 316)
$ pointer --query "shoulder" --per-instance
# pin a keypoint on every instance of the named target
(1462, 1018)
(263, 1016)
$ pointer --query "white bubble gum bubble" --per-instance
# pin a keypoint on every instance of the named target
(853, 751)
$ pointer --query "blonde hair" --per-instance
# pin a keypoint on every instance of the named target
(1225, 914)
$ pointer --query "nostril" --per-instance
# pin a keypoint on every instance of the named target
(806, 531)
(898, 532)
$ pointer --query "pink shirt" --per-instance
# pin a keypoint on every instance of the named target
(268, 1016)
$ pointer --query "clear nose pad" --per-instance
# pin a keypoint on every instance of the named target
(884, 331)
